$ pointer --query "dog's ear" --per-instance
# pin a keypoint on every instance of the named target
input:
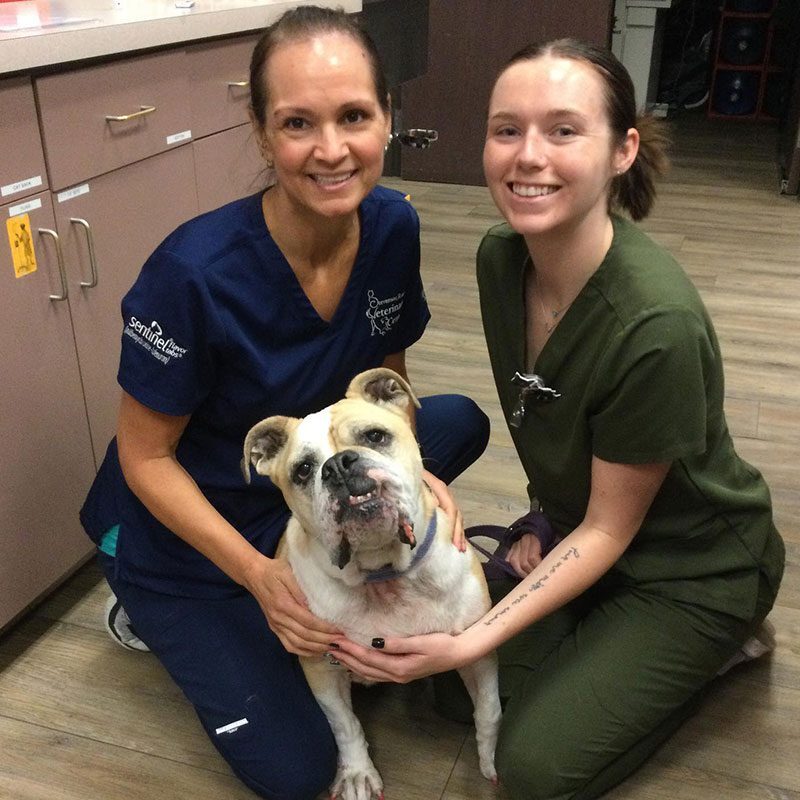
(382, 386)
(263, 442)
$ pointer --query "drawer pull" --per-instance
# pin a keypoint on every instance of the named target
(124, 117)
(238, 84)
(60, 259)
(90, 284)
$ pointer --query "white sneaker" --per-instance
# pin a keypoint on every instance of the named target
(119, 626)
(760, 644)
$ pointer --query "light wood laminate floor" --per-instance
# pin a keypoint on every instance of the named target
(82, 719)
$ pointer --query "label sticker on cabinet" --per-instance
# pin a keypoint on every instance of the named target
(20, 186)
(179, 137)
(21, 242)
(75, 191)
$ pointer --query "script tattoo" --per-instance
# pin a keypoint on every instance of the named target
(537, 584)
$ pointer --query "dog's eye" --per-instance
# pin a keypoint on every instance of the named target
(302, 472)
(376, 436)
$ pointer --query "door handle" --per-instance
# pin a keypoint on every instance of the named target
(60, 259)
(90, 284)
(420, 138)
(124, 117)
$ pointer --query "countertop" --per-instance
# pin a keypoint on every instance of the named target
(36, 34)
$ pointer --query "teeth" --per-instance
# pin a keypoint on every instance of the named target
(332, 180)
(532, 191)
(356, 500)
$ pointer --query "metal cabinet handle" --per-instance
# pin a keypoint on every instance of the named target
(90, 244)
(60, 258)
(238, 84)
(419, 138)
(123, 117)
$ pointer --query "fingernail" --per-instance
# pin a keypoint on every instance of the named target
(333, 646)
(378, 643)
(332, 660)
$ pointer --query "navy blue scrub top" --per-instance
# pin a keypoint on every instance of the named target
(217, 326)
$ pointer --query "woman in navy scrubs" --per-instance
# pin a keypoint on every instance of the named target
(268, 305)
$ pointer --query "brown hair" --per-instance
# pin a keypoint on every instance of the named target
(302, 23)
(635, 190)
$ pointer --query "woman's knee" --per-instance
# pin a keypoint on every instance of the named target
(301, 772)
(453, 431)
(524, 767)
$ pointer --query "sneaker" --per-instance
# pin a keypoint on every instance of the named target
(760, 644)
(119, 626)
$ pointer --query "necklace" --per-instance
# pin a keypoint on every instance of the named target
(549, 327)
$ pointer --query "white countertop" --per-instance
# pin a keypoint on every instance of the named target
(40, 33)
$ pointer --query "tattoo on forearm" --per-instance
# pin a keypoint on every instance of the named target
(537, 584)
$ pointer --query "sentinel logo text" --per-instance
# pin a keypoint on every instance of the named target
(151, 337)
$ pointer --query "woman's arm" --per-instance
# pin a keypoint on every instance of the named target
(147, 441)
(620, 497)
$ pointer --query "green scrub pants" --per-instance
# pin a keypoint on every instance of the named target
(592, 690)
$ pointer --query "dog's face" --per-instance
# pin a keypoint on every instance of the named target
(351, 473)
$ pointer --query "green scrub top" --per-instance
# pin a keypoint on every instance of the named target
(638, 367)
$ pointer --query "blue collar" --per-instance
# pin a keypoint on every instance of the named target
(390, 573)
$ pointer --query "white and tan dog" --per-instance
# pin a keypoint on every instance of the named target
(361, 517)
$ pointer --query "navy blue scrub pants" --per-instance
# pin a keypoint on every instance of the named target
(249, 693)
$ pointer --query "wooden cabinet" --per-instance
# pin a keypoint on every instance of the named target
(227, 166)
(100, 118)
(90, 198)
(22, 169)
(108, 227)
(47, 462)
(219, 74)
(469, 41)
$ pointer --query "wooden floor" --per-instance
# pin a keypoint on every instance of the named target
(82, 719)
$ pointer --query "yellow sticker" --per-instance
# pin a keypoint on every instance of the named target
(21, 241)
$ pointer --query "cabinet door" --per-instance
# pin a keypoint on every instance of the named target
(227, 166)
(22, 166)
(115, 221)
(468, 42)
(47, 466)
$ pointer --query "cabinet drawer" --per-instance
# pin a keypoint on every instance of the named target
(22, 165)
(220, 84)
(148, 96)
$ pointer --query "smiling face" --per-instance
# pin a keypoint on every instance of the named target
(325, 128)
(549, 155)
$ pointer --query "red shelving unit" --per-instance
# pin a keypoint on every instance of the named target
(738, 90)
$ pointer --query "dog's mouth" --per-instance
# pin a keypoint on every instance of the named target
(370, 516)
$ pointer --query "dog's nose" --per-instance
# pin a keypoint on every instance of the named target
(337, 467)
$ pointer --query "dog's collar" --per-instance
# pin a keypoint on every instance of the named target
(389, 573)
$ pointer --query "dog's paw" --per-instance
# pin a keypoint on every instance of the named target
(486, 765)
(357, 783)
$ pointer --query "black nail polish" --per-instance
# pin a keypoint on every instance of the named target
(378, 643)
(334, 646)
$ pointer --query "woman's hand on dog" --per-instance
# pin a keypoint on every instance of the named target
(403, 659)
(282, 600)
(444, 497)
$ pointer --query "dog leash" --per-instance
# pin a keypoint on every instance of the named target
(389, 573)
(496, 566)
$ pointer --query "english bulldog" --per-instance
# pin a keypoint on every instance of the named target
(372, 551)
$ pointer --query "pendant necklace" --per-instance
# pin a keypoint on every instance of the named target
(549, 327)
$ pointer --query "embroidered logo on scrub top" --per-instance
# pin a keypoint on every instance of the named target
(383, 314)
(151, 337)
